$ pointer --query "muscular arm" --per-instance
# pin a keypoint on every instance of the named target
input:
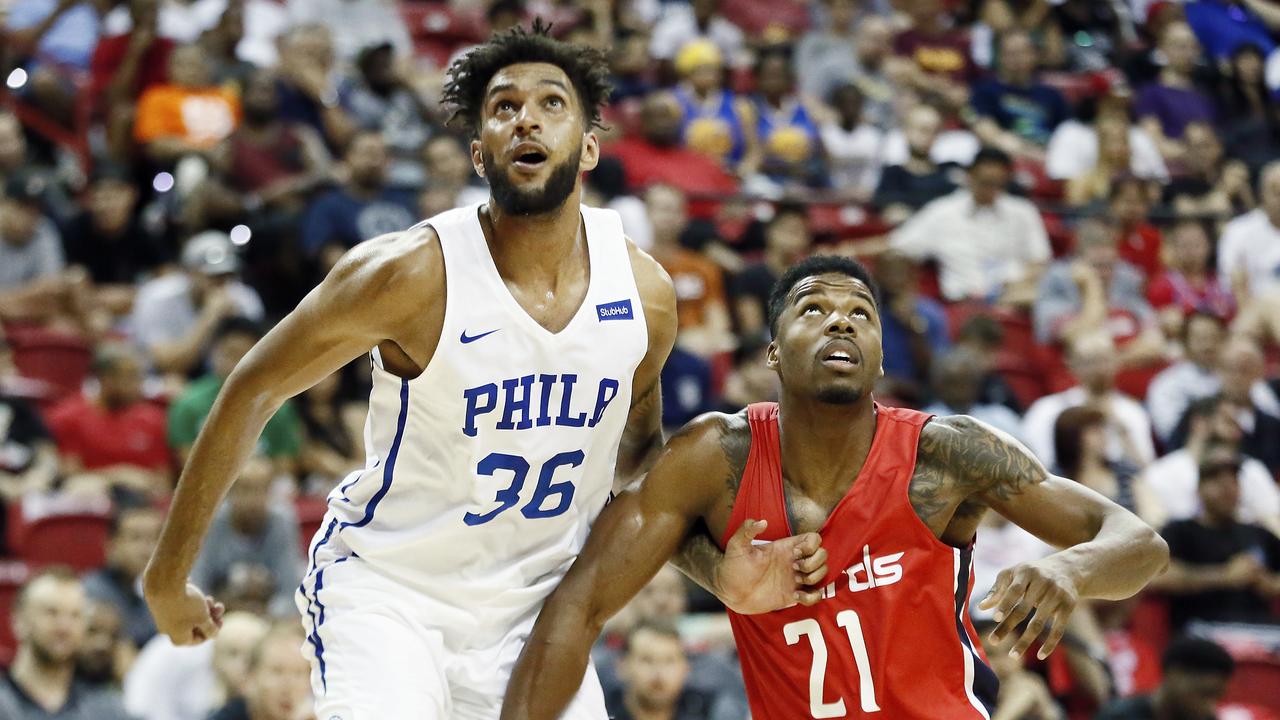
(1109, 553)
(629, 542)
(369, 297)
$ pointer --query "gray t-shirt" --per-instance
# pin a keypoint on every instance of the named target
(39, 258)
(83, 703)
(163, 311)
(277, 549)
(1058, 299)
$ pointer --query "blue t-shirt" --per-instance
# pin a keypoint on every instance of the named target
(72, 38)
(1030, 112)
(686, 388)
(337, 218)
(1222, 27)
(896, 339)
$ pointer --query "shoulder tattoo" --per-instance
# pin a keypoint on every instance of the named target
(967, 458)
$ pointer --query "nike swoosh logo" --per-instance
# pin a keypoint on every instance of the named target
(465, 339)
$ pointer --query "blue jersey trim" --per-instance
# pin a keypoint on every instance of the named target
(388, 470)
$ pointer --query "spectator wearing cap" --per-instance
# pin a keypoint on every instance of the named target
(1166, 106)
(231, 340)
(1211, 421)
(657, 154)
(135, 530)
(683, 23)
(1220, 569)
(363, 207)
(175, 315)
(109, 240)
(1016, 112)
(382, 99)
(989, 244)
(1197, 673)
(112, 442)
(716, 122)
(188, 115)
(49, 620)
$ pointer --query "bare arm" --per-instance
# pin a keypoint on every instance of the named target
(629, 543)
(369, 297)
(1109, 553)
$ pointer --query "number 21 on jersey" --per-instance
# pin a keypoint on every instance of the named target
(809, 628)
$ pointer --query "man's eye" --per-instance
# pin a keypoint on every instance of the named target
(811, 308)
(506, 105)
(863, 313)
(555, 102)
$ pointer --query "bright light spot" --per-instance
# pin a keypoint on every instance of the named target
(240, 234)
(163, 182)
(16, 79)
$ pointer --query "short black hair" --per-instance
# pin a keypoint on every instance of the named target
(809, 267)
(587, 68)
(1198, 656)
(992, 155)
(238, 325)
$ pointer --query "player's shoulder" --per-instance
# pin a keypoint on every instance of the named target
(715, 437)
(408, 260)
(969, 449)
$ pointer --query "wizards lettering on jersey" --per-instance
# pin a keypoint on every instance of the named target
(537, 401)
(872, 572)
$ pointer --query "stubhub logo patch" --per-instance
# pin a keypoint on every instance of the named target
(618, 310)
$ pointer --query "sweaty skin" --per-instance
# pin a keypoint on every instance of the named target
(827, 421)
(389, 293)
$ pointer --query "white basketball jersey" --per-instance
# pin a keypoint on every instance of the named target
(486, 472)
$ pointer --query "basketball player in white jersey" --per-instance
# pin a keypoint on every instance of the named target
(516, 348)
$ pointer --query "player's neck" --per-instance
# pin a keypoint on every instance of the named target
(533, 243)
(823, 443)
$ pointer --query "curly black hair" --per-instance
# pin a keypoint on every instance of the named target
(587, 68)
(809, 267)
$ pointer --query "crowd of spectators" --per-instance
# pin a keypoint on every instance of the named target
(1072, 208)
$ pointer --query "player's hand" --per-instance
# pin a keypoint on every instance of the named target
(762, 578)
(188, 617)
(1044, 591)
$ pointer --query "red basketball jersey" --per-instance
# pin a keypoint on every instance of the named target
(891, 637)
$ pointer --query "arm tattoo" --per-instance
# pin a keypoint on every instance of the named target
(961, 458)
(699, 556)
(735, 443)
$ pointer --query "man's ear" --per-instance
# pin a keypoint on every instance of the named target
(771, 356)
(477, 158)
(590, 156)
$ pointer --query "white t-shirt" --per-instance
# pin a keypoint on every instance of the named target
(1175, 479)
(1037, 425)
(856, 156)
(167, 682)
(1253, 243)
(1073, 151)
(979, 249)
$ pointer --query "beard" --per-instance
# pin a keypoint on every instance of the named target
(513, 200)
(839, 395)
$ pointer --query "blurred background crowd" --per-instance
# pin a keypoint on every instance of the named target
(1072, 207)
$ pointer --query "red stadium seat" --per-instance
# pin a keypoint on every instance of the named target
(75, 539)
(1256, 682)
(61, 360)
(310, 513)
(12, 576)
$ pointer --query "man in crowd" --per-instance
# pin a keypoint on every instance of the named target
(133, 536)
(50, 623)
(1196, 675)
(278, 685)
(654, 670)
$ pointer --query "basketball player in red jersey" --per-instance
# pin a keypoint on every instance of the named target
(896, 495)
